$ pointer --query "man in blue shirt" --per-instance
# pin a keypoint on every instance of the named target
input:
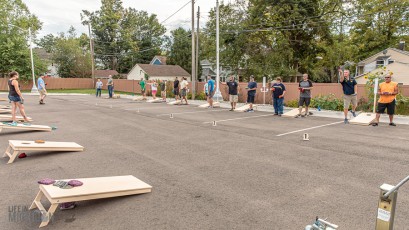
(211, 88)
(251, 93)
(41, 89)
(350, 88)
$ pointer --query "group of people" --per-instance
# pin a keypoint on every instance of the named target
(180, 89)
(110, 86)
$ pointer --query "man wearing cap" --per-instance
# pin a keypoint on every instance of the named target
(305, 87)
(387, 101)
(41, 89)
(350, 88)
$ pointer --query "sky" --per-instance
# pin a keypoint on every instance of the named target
(59, 15)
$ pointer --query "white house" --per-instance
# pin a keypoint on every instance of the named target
(157, 72)
(395, 61)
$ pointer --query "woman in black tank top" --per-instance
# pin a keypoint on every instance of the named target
(16, 98)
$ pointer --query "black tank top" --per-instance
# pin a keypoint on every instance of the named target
(12, 91)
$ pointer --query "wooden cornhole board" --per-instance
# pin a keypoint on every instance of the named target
(5, 110)
(293, 112)
(3, 99)
(8, 118)
(114, 97)
(177, 102)
(245, 107)
(216, 104)
(138, 99)
(26, 127)
(5, 107)
(92, 188)
(157, 100)
(363, 119)
(15, 147)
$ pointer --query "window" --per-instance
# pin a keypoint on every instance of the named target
(379, 63)
(391, 61)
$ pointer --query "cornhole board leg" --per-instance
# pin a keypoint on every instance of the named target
(363, 119)
(45, 215)
(12, 154)
(293, 112)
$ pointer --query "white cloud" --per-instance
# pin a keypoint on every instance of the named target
(58, 15)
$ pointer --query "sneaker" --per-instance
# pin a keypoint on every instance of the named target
(353, 113)
(251, 111)
(298, 115)
(279, 115)
(346, 121)
(374, 124)
(302, 115)
(231, 109)
(13, 123)
(392, 124)
(276, 114)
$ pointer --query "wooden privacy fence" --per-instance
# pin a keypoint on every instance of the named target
(133, 86)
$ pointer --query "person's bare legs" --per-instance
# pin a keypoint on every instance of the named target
(306, 110)
(378, 115)
(251, 106)
(22, 112)
(346, 113)
(13, 111)
(211, 102)
(390, 118)
(234, 105)
(299, 109)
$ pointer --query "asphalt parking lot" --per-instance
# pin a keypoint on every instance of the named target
(250, 171)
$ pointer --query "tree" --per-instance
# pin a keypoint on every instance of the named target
(180, 49)
(15, 20)
(71, 55)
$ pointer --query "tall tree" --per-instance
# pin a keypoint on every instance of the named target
(15, 20)
(180, 49)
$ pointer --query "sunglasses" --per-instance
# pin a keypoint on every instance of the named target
(387, 77)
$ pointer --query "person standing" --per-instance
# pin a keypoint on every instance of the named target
(206, 89)
(387, 101)
(183, 86)
(110, 85)
(251, 93)
(142, 83)
(278, 90)
(154, 87)
(41, 89)
(98, 87)
(16, 98)
(305, 86)
(163, 89)
(233, 92)
(350, 88)
(211, 89)
(176, 89)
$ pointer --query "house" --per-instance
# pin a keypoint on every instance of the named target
(157, 72)
(395, 61)
(158, 60)
(52, 68)
(105, 73)
(209, 69)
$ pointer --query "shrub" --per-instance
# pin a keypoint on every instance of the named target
(292, 103)
(329, 102)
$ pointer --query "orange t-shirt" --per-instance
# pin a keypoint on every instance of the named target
(387, 87)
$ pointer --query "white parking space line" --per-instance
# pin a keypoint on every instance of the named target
(239, 118)
(206, 111)
(315, 127)
(146, 108)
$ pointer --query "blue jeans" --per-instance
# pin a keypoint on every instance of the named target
(110, 90)
(98, 93)
(278, 105)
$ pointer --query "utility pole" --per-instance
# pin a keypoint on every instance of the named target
(197, 42)
(217, 52)
(193, 52)
(91, 46)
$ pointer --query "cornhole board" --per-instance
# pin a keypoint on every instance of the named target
(293, 112)
(138, 99)
(5, 110)
(8, 118)
(157, 100)
(5, 107)
(26, 127)
(363, 119)
(15, 147)
(177, 102)
(244, 108)
(92, 188)
(3, 99)
(216, 104)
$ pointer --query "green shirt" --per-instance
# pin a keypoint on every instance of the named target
(142, 83)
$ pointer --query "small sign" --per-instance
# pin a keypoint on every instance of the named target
(306, 137)
(214, 123)
(171, 115)
(384, 215)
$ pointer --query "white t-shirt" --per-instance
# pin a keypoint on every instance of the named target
(184, 84)
(154, 87)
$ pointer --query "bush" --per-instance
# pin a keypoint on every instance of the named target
(328, 102)
(292, 103)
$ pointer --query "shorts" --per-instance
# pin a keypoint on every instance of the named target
(389, 106)
(210, 94)
(15, 98)
(42, 92)
(183, 92)
(304, 100)
(153, 92)
(234, 98)
(163, 93)
(348, 99)
(250, 98)
(176, 91)
(143, 91)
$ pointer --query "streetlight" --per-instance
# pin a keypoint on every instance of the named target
(34, 89)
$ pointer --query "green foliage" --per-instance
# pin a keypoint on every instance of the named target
(292, 103)
(328, 102)
(402, 105)
(15, 20)
(180, 49)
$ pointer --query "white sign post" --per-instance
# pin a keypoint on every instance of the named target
(264, 90)
(375, 89)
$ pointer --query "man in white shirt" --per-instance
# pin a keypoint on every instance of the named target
(183, 87)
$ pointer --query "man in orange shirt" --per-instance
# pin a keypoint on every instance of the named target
(387, 91)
